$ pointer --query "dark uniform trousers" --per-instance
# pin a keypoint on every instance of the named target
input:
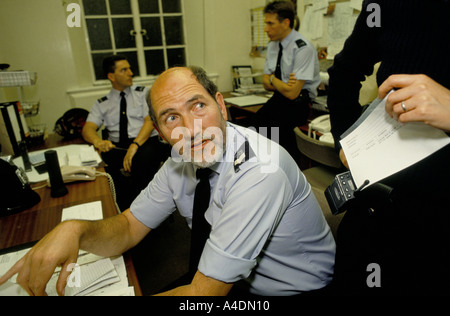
(285, 114)
(407, 237)
(145, 164)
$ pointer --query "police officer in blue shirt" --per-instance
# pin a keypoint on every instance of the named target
(291, 71)
(269, 242)
(138, 150)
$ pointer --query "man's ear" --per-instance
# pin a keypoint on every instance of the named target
(223, 108)
(111, 77)
(159, 132)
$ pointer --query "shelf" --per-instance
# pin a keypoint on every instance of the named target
(17, 78)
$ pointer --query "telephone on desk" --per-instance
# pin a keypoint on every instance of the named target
(16, 194)
(321, 125)
(76, 173)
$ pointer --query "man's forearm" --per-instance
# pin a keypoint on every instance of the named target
(201, 286)
(108, 237)
(267, 84)
(290, 91)
(90, 134)
(145, 131)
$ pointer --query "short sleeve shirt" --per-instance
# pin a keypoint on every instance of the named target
(106, 111)
(266, 225)
(299, 57)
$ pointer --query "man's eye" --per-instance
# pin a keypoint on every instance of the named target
(200, 106)
(170, 118)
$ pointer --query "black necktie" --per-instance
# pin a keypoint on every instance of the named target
(123, 128)
(278, 68)
(200, 227)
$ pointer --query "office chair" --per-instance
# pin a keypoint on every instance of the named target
(322, 175)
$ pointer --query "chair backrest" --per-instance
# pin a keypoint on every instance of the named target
(316, 150)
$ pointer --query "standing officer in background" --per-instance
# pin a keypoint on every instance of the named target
(132, 144)
(291, 71)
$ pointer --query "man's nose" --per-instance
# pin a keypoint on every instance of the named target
(194, 126)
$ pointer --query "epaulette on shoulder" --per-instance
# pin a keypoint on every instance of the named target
(102, 99)
(140, 88)
(245, 153)
(300, 43)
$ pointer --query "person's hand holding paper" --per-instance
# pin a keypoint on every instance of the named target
(418, 99)
(371, 144)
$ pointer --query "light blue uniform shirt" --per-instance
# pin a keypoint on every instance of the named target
(267, 226)
(299, 57)
(106, 111)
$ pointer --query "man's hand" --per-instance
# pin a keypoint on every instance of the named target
(418, 99)
(128, 159)
(267, 84)
(58, 248)
(292, 79)
(104, 145)
(90, 135)
(343, 159)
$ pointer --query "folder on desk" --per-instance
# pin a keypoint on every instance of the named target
(247, 100)
(13, 128)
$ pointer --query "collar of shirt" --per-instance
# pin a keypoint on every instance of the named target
(288, 39)
(115, 94)
(234, 141)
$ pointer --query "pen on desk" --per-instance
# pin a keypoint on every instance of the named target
(119, 148)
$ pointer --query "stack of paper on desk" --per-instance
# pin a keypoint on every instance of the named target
(87, 279)
(88, 157)
(377, 146)
(70, 155)
(92, 275)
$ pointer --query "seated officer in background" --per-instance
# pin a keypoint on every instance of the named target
(245, 233)
(133, 144)
(291, 71)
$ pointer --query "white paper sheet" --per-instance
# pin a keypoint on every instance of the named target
(379, 146)
(89, 211)
(247, 100)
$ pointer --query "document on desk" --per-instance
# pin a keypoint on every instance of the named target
(247, 100)
(70, 155)
(92, 275)
(86, 278)
(89, 211)
(377, 146)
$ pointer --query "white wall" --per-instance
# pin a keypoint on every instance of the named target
(34, 36)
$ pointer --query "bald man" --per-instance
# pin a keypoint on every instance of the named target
(268, 242)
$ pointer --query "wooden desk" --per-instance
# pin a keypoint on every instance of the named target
(32, 224)
(243, 115)
(252, 109)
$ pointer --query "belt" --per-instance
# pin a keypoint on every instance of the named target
(126, 145)
(303, 96)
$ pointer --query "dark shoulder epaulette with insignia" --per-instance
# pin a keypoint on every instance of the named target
(102, 99)
(140, 88)
(300, 43)
(245, 153)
